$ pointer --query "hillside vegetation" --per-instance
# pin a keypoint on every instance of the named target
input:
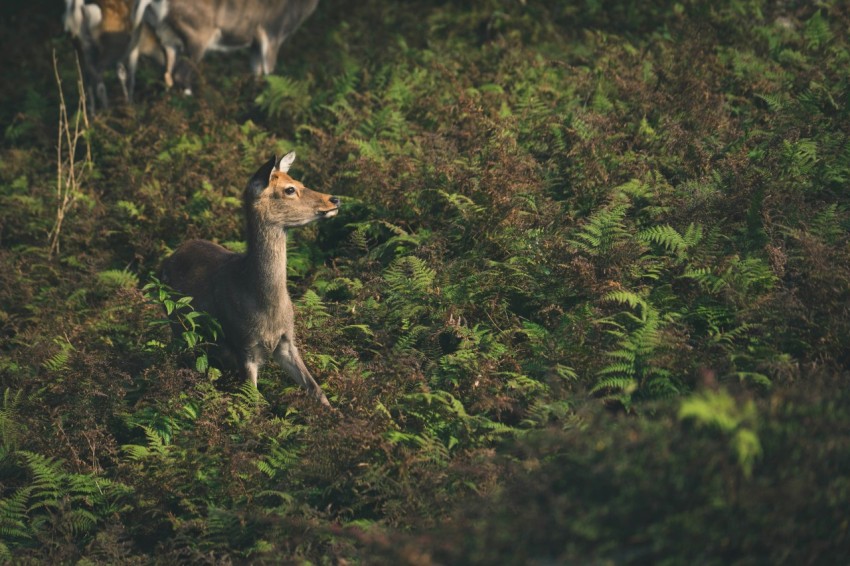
(587, 299)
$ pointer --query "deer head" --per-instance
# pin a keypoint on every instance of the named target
(275, 199)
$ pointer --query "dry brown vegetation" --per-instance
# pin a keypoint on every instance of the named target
(586, 301)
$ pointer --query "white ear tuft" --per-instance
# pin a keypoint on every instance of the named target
(286, 162)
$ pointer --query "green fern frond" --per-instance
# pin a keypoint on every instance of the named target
(662, 387)
(57, 362)
(284, 95)
(463, 204)
(635, 188)
(706, 278)
(118, 279)
(624, 368)
(407, 278)
(10, 429)
(625, 385)
(157, 440)
(14, 521)
(246, 403)
(817, 31)
(602, 231)
(626, 298)
(411, 335)
(774, 101)
(136, 452)
(665, 236)
(47, 482)
(370, 149)
(81, 520)
(345, 83)
(312, 310)
(827, 224)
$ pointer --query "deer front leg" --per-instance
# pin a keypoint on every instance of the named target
(287, 356)
(121, 71)
(129, 83)
(170, 60)
(251, 368)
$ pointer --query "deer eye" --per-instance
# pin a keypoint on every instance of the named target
(289, 190)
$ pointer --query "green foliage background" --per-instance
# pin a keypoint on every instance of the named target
(588, 298)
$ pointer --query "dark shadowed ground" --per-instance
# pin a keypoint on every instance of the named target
(586, 300)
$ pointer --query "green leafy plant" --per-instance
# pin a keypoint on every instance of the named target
(634, 367)
(719, 410)
(197, 330)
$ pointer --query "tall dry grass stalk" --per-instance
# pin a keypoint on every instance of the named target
(70, 172)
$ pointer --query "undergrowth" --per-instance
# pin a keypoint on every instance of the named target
(586, 299)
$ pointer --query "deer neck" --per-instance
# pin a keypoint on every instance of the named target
(266, 262)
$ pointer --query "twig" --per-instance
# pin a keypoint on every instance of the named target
(68, 176)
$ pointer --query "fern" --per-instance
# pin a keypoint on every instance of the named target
(623, 386)
(627, 298)
(635, 189)
(58, 362)
(671, 240)
(477, 346)
(118, 279)
(743, 278)
(284, 450)
(245, 404)
(278, 460)
(443, 425)
(47, 480)
(312, 310)
(633, 368)
(544, 412)
(718, 409)
(466, 207)
(345, 83)
(408, 280)
(801, 156)
(827, 224)
(371, 149)
(602, 231)
(56, 503)
(284, 95)
(157, 447)
(14, 519)
(10, 429)
(817, 31)
(411, 335)
(774, 102)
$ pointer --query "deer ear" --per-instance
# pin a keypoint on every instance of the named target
(286, 162)
(260, 180)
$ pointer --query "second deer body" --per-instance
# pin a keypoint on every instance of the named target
(247, 292)
(102, 31)
(194, 27)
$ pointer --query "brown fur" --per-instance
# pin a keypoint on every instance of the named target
(194, 27)
(116, 16)
(247, 292)
(104, 45)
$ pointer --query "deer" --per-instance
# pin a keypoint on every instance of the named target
(247, 292)
(102, 31)
(195, 27)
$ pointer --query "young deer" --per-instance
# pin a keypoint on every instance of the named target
(247, 292)
(194, 27)
(102, 31)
